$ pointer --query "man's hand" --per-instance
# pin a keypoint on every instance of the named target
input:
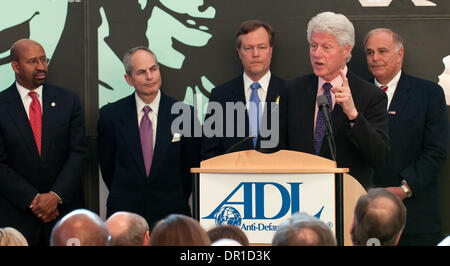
(45, 206)
(343, 96)
(397, 191)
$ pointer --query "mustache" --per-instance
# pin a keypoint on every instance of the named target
(40, 72)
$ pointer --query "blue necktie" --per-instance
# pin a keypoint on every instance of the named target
(254, 111)
(146, 136)
(321, 126)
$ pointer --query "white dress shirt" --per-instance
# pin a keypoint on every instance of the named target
(392, 86)
(26, 99)
(262, 91)
(152, 115)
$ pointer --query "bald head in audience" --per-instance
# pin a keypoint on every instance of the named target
(379, 216)
(302, 229)
(80, 228)
(128, 229)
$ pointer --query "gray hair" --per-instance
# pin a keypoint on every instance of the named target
(297, 229)
(135, 233)
(126, 60)
(398, 40)
(336, 24)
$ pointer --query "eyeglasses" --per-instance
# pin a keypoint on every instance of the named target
(35, 61)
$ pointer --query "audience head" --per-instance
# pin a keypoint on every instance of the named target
(378, 215)
(226, 242)
(11, 237)
(302, 229)
(80, 227)
(178, 230)
(228, 232)
(128, 229)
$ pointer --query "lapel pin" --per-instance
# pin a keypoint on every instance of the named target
(53, 104)
(392, 112)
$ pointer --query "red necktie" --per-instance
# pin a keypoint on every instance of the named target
(384, 88)
(36, 119)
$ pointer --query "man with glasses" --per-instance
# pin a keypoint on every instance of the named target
(43, 147)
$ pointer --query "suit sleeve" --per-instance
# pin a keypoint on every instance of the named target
(370, 131)
(106, 147)
(191, 152)
(70, 175)
(12, 185)
(426, 168)
(212, 145)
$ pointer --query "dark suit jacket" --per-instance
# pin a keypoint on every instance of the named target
(418, 150)
(360, 148)
(233, 92)
(23, 173)
(169, 185)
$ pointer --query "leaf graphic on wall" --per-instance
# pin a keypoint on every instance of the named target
(10, 35)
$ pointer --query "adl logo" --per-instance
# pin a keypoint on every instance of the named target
(224, 213)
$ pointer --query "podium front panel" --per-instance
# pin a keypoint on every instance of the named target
(259, 203)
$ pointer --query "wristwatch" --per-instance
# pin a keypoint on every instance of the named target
(406, 189)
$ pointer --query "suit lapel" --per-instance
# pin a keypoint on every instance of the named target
(130, 131)
(400, 99)
(267, 112)
(308, 112)
(20, 118)
(49, 117)
(163, 133)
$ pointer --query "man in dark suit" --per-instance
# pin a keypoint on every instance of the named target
(418, 129)
(257, 88)
(358, 113)
(43, 147)
(144, 163)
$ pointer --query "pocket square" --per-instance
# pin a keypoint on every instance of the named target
(176, 137)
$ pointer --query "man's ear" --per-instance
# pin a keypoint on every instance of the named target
(128, 79)
(15, 66)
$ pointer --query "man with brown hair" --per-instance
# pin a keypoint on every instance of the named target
(250, 94)
(379, 219)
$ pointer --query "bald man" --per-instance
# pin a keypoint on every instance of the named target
(302, 229)
(43, 147)
(80, 228)
(379, 219)
(128, 229)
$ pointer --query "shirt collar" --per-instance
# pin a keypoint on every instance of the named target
(391, 84)
(263, 81)
(154, 105)
(336, 82)
(24, 91)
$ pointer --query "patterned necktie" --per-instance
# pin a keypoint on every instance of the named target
(146, 135)
(321, 126)
(35, 113)
(254, 112)
(384, 88)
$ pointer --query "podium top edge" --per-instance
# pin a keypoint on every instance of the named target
(269, 171)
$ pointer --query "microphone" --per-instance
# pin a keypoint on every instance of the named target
(232, 148)
(322, 103)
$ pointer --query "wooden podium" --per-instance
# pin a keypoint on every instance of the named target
(297, 179)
